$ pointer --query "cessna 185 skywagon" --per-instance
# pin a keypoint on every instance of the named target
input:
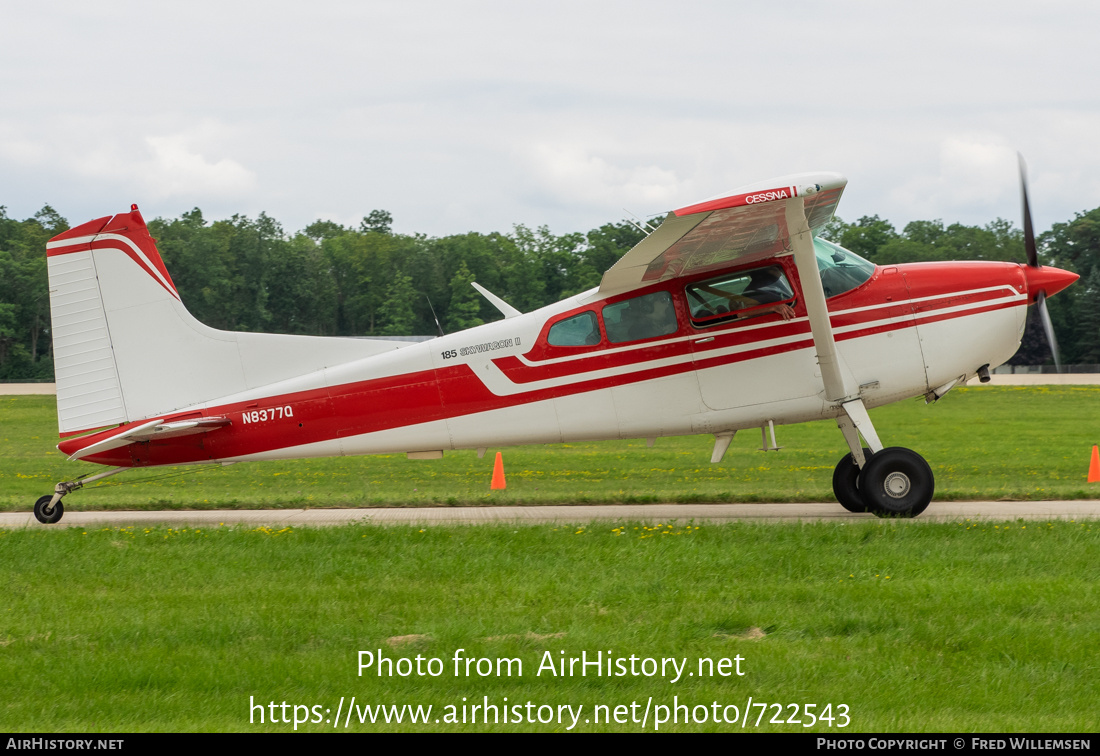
(732, 314)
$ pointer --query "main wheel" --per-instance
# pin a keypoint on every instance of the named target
(846, 483)
(897, 482)
(45, 515)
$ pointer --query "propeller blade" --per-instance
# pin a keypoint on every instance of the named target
(1048, 327)
(1029, 231)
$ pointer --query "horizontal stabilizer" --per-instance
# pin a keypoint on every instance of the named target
(154, 429)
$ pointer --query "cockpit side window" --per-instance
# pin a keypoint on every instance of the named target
(644, 317)
(579, 330)
(739, 294)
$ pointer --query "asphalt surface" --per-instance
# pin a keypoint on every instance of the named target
(949, 511)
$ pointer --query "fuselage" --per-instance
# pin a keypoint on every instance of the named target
(903, 332)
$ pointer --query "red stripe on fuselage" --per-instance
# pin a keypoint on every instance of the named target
(456, 391)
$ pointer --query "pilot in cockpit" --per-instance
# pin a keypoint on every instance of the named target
(765, 285)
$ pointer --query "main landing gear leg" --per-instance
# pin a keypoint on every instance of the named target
(49, 509)
(893, 482)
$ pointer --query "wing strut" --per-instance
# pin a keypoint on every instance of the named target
(802, 243)
(837, 387)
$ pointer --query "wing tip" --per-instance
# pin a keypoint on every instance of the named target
(771, 190)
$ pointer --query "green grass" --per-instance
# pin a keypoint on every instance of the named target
(914, 626)
(982, 443)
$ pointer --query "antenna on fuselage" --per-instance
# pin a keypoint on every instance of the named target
(434, 316)
(640, 224)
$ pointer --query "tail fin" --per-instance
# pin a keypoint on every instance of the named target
(125, 347)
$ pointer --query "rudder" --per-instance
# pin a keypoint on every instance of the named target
(126, 348)
(89, 389)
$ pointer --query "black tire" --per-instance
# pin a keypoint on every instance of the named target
(846, 483)
(48, 517)
(897, 482)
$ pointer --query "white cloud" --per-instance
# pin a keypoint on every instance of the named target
(164, 166)
(973, 174)
(571, 175)
(22, 151)
(176, 169)
(478, 115)
(112, 155)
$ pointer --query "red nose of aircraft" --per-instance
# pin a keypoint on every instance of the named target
(1049, 280)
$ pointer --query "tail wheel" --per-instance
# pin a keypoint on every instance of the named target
(45, 514)
(846, 483)
(897, 482)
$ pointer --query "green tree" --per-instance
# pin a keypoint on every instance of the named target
(50, 221)
(203, 265)
(927, 233)
(462, 313)
(25, 353)
(9, 334)
(834, 229)
(300, 292)
(378, 221)
(320, 230)
(248, 274)
(1088, 320)
(603, 247)
(866, 236)
(1074, 245)
(555, 258)
(363, 266)
(493, 260)
(398, 316)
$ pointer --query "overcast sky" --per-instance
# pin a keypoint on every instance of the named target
(472, 116)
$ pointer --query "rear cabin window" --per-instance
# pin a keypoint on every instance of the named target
(736, 294)
(640, 318)
(579, 330)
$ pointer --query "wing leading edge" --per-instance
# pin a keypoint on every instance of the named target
(746, 226)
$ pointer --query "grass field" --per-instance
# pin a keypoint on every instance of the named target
(895, 626)
(911, 626)
(982, 443)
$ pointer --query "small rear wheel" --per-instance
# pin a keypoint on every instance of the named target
(846, 483)
(897, 482)
(45, 514)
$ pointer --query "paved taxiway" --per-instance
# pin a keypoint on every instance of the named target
(784, 512)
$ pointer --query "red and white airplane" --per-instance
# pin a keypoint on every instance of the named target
(732, 314)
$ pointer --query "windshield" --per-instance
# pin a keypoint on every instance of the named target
(840, 269)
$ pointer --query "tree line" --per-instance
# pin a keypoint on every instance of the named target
(249, 274)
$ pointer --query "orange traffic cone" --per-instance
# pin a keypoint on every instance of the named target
(1094, 466)
(498, 483)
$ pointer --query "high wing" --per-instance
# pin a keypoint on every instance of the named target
(746, 226)
(756, 223)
